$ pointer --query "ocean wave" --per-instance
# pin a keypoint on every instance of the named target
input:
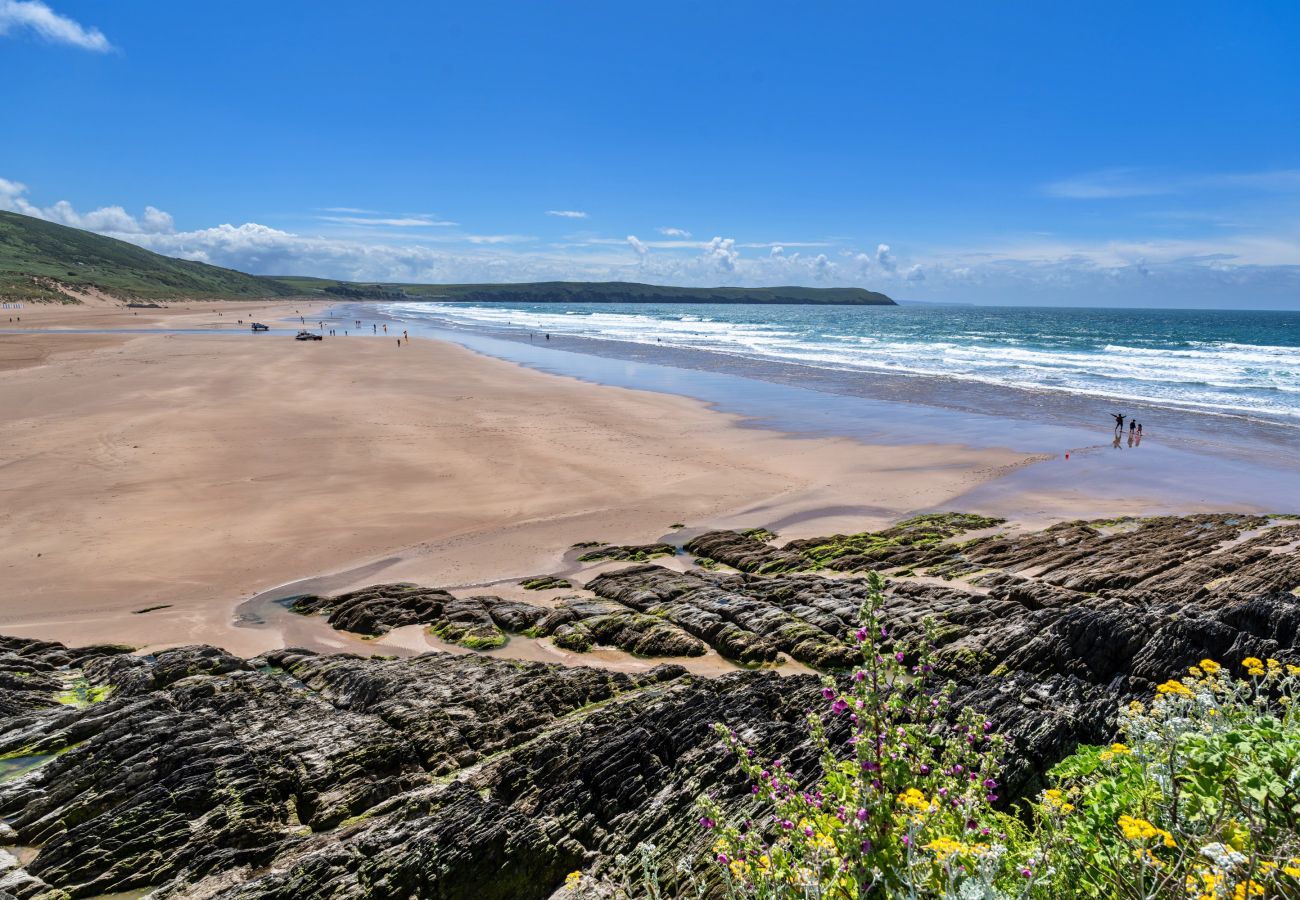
(1166, 367)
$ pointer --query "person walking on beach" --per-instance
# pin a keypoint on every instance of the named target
(1119, 421)
(374, 328)
(399, 343)
(1132, 426)
(385, 328)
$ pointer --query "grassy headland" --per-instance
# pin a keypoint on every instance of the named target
(39, 259)
(584, 292)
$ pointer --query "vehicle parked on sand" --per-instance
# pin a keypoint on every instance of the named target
(258, 326)
(309, 336)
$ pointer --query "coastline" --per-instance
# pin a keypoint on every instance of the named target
(224, 464)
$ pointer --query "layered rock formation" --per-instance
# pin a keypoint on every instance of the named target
(295, 775)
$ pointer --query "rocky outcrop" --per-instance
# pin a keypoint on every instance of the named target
(478, 623)
(377, 609)
(745, 552)
(628, 552)
(298, 775)
(903, 544)
(577, 624)
(546, 583)
(198, 774)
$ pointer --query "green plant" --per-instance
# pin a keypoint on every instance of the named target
(904, 804)
(1200, 798)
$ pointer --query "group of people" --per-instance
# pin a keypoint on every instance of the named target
(374, 327)
(1134, 430)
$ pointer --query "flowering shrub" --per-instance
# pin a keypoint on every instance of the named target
(1200, 799)
(904, 807)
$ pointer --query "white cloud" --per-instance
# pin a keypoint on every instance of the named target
(884, 258)
(567, 213)
(398, 222)
(668, 231)
(638, 245)
(499, 238)
(763, 245)
(108, 219)
(722, 253)
(32, 15)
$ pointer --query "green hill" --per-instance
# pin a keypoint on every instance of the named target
(585, 292)
(36, 257)
(39, 259)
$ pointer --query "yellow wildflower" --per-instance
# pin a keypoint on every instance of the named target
(1272, 664)
(1141, 830)
(914, 798)
(1210, 667)
(571, 880)
(1195, 671)
(1292, 670)
(944, 847)
(741, 868)
(1204, 885)
(1251, 888)
(1054, 799)
(1174, 687)
(1292, 868)
(1114, 751)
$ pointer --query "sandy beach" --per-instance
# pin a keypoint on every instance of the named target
(193, 471)
(163, 467)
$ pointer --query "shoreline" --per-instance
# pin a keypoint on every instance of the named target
(1188, 463)
(446, 466)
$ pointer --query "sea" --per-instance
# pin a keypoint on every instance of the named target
(1239, 364)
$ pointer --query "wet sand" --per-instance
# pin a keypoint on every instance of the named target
(187, 471)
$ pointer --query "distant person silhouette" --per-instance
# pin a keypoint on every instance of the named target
(1119, 421)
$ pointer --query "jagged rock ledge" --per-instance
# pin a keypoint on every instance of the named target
(292, 775)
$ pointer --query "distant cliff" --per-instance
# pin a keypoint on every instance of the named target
(589, 292)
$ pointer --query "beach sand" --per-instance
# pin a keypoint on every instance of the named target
(194, 471)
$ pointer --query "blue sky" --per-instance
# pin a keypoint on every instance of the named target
(1108, 153)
